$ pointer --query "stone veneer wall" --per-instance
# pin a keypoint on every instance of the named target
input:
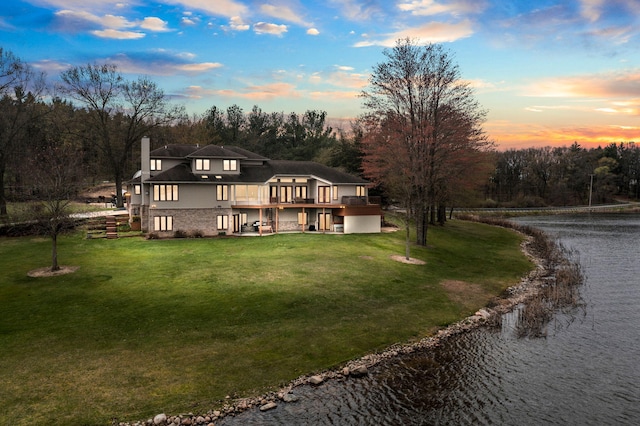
(144, 218)
(190, 220)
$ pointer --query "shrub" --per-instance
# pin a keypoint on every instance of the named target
(179, 233)
(152, 236)
(197, 234)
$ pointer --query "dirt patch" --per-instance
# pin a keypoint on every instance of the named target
(462, 292)
(404, 259)
(47, 272)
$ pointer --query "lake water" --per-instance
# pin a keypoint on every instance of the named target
(586, 371)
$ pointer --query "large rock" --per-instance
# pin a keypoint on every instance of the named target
(359, 371)
(290, 397)
(316, 380)
(160, 419)
(268, 406)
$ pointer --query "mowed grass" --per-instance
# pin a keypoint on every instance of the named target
(150, 326)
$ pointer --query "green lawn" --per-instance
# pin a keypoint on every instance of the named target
(149, 326)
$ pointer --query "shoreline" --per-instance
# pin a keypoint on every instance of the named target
(528, 287)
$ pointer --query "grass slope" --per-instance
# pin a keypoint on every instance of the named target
(149, 326)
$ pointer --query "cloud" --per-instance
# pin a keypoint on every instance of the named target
(620, 84)
(313, 32)
(159, 62)
(356, 10)
(452, 7)
(117, 34)
(266, 28)
(154, 24)
(350, 80)
(509, 134)
(282, 12)
(70, 20)
(432, 32)
(615, 34)
(111, 26)
(333, 95)
(228, 8)
(591, 9)
(237, 24)
(252, 92)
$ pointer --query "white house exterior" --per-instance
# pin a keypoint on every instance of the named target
(214, 190)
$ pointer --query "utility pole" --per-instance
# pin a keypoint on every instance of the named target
(590, 189)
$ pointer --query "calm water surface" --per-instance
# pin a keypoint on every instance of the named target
(586, 371)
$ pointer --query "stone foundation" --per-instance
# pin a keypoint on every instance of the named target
(193, 220)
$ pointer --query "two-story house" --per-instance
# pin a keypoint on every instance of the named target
(217, 190)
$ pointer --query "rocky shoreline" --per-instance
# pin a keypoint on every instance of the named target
(528, 288)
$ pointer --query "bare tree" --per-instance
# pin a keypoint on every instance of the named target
(20, 90)
(418, 98)
(121, 112)
(56, 179)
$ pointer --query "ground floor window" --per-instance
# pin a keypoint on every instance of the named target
(163, 223)
(222, 222)
(303, 218)
(324, 221)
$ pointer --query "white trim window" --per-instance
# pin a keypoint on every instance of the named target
(303, 218)
(229, 165)
(203, 164)
(155, 164)
(222, 222)
(136, 189)
(222, 192)
(163, 223)
(165, 192)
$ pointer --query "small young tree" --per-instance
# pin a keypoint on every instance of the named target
(56, 174)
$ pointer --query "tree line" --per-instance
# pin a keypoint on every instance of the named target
(419, 140)
(564, 176)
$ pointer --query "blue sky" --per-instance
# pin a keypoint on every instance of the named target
(549, 72)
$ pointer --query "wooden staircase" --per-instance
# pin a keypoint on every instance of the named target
(112, 227)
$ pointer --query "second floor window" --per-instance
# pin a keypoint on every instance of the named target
(156, 164)
(165, 192)
(360, 191)
(324, 194)
(203, 164)
(301, 192)
(222, 192)
(229, 165)
(285, 194)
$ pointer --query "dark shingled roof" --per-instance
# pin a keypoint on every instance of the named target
(215, 151)
(173, 151)
(248, 154)
(304, 168)
(261, 174)
(249, 173)
(179, 173)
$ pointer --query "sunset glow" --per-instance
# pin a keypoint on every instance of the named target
(548, 73)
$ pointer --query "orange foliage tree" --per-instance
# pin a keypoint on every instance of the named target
(423, 131)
